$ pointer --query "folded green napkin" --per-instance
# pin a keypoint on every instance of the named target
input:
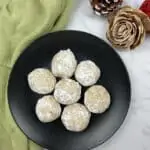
(22, 21)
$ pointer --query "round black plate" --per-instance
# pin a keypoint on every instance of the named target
(53, 135)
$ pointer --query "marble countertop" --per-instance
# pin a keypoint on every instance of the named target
(134, 134)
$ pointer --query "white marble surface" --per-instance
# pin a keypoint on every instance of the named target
(134, 134)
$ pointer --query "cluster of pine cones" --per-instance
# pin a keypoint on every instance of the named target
(105, 7)
(127, 26)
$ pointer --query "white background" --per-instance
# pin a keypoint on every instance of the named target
(134, 134)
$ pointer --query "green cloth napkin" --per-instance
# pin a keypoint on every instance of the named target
(22, 21)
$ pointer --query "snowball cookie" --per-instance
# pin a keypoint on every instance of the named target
(87, 73)
(97, 99)
(75, 117)
(67, 91)
(64, 64)
(41, 81)
(47, 109)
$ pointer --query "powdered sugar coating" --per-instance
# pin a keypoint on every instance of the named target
(41, 81)
(76, 117)
(47, 109)
(67, 91)
(64, 64)
(87, 73)
(97, 99)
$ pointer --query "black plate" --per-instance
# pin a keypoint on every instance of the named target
(53, 135)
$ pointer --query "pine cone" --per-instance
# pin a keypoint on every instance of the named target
(126, 28)
(105, 7)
